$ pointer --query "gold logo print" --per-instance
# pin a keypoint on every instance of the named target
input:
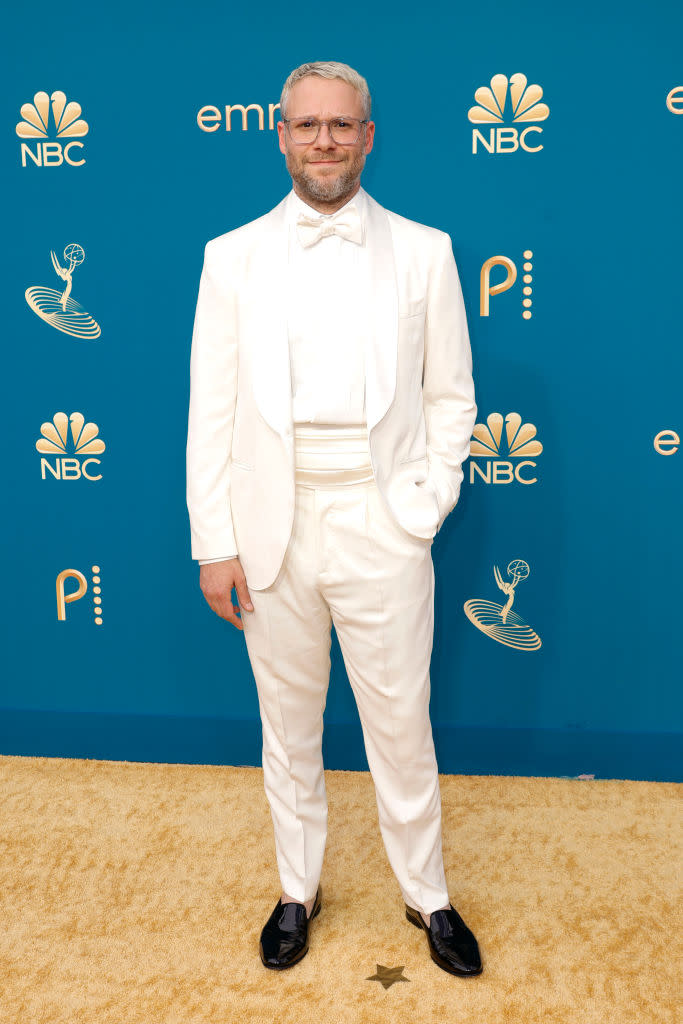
(66, 117)
(486, 289)
(667, 442)
(209, 117)
(64, 598)
(493, 109)
(52, 118)
(522, 445)
(674, 101)
(486, 437)
(524, 101)
(84, 444)
(499, 621)
(59, 310)
(75, 595)
(84, 439)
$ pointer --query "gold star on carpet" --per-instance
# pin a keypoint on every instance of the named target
(388, 975)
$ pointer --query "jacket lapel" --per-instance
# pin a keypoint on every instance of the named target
(382, 337)
(266, 313)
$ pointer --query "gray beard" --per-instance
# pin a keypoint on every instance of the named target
(327, 191)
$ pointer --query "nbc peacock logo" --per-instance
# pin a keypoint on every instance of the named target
(52, 116)
(498, 621)
(58, 309)
(507, 459)
(72, 444)
(512, 100)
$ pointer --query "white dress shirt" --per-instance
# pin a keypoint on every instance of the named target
(327, 316)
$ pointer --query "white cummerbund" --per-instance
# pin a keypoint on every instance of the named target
(331, 456)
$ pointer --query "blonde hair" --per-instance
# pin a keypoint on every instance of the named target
(327, 69)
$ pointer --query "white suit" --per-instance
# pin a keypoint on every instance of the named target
(357, 556)
(419, 391)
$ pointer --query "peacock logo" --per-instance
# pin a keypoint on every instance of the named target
(512, 100)
(520, 443)
(52, 116)
(66, 117)
(69, 439)
(525, 102)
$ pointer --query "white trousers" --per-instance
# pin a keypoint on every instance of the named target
(348, 562)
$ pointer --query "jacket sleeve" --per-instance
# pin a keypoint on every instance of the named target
(447, 386)
(213, 395)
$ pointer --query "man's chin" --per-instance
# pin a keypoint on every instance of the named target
(325, 186)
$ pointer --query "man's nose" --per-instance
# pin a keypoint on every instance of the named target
(325, 140)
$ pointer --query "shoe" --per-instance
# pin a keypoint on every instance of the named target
(451, 943)
(284, 939)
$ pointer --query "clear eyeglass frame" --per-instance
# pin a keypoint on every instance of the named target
(330, 128)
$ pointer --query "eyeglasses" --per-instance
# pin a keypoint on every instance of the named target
(305, 130)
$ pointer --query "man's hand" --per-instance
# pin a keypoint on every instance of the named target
(216, 580)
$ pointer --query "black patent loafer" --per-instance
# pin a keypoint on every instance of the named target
(451, 943)
(284, 939)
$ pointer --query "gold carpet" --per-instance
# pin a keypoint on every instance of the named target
(134, 893)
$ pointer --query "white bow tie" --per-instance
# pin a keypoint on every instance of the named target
(346, 223)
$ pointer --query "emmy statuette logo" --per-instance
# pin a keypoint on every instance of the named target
(486, 289)
(57, 308)
(493, 108)
(68, 439)
(65, 123)
(498, 621)
(520, 446)
(65, 597)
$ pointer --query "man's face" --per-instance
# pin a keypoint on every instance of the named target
(324, 170)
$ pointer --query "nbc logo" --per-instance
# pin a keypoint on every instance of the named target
(64, 598)
(524, 107)
(520, 444)
(486, 289)
(68, 462)
(65, 123)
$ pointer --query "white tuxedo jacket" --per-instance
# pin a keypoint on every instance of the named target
(419, 392)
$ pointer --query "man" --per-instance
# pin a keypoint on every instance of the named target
(331, 407)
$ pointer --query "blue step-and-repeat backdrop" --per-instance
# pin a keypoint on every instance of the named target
(548, 141)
